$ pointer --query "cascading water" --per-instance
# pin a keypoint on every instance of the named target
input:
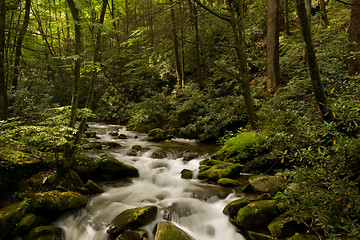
(194, 207)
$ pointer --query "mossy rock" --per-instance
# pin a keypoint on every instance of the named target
(86, 167)
(116, 169)
(224, 170)
(187, 156)
(259, 236)
(186, 174)
(227, 182)
(53, 203)
(283, 227)
(45, 233)
(27, 223)
(111, 145)
(132, 219)
(10, 216)
(90, 134)
(158, 135)
(233, 208)
(75, 179)
(93, 187)
(264, 184)
(122, 136)
(257, 214)
(133, 235)
(168, 231)
(137, 148)
(92, 146)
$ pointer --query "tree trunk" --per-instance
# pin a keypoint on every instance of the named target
(317, 86)
(3, 88)
(77, 59)
(19, 44)
(286, 16)
(272, 57)
(175, 44)
(323, 13)
(354, 39)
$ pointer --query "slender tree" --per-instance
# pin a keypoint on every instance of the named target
(3, 88)
(313, 68)
(175, 44)
(19, 42)
(354, 39)
(272, 48)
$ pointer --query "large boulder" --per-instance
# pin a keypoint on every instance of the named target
(233, 208)
(86, 167)
(27, 223)
(168, 231)
(265, 184)
(158, 135)
(10, 216)
(45, 233)
(53, 203)
(112, 167)
(224, 170)
(257, 214)
(93, 187)
(133, 235)
(283, 227)
(132, 219)
(186, 174)
(227, 182)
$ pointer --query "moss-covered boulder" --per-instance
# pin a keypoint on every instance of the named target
(257, 214)
(233, 208)
(168, 231)
(92, 145)
(86, 167)
(110, 145)
(122, 136)
(115, 169)
(259, 236)
(27, 223)
(53, 203)
(90, 134)
(158, 135)
(224, 170)
(132, 219)
(303, 237)
(133, 235)
(189, 155)
(227, 182)
(10, 216)
(45, 233)
(264, 184)
(93, 187)
(186, 174)
(283, 227)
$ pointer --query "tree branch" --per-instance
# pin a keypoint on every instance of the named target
(219, 15)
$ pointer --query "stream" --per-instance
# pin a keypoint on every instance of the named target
(193, 206)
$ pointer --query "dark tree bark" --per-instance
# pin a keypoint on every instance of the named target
(354, 39)
(175, 44)
(317, 86)
(3, 88)
(286, 18)
(272, 48)
(19, 44)
(323, 13)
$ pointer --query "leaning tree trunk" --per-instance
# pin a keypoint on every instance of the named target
(19, 44)
(317, 86)
(3, 88)
(354, 39)
(272, 46)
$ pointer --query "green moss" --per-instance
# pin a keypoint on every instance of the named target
(168, 231)
(45, 233)
(227, 182)
(233, 208)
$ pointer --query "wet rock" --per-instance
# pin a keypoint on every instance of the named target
(233, 208)
(257, 214)
(115, 169)
(178, 210)
(259, 236)
(158, 135)
(110, 145)
(75, 178)
(157, 155)
(133, 235)
(53, 203)
(90, 134)
(186, 174)
(187, 156)
(168, 231)
(132, 219)
(122, 136)
(86, 167)
(265, 184)
(27, 223)
(227, 182)
(303, 237)
(92, 145)
(93, 187)
(10, 216)
(132, 153)
(224, 170)
(45, 232)
(113, 134)
(136, 148)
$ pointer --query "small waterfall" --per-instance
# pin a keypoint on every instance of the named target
(194, 207)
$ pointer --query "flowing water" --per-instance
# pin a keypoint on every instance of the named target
(193, 206)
